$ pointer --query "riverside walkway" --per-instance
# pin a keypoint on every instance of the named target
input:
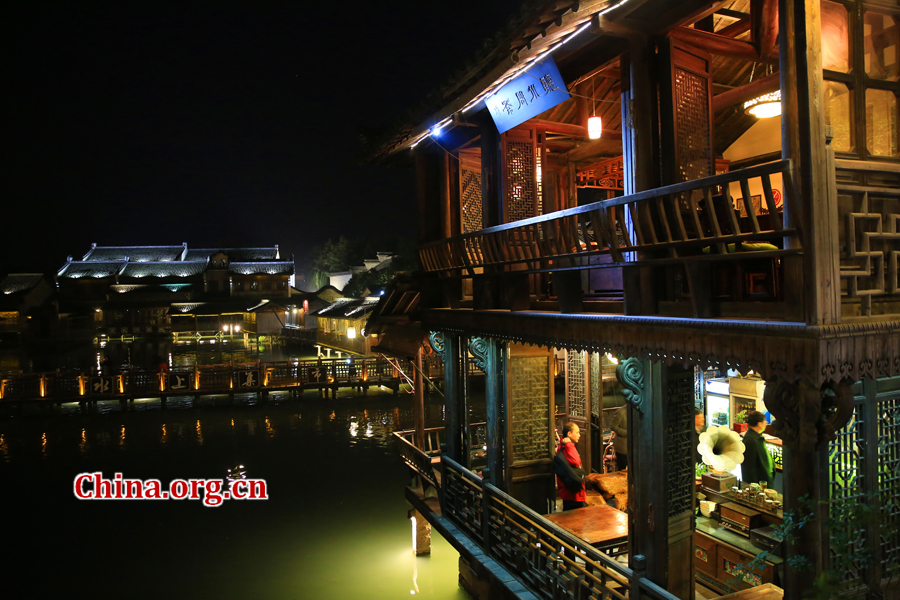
(326, 375)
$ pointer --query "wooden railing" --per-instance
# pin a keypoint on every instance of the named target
(415, 458)
(222, 378)
(686, 221)
(549, 561)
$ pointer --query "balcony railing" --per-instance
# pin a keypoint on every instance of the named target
(551, 562)
(694, 220)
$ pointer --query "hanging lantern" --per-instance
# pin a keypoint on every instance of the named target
(765, 106)
(595, 128)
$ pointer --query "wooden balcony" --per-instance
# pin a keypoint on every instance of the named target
(687, 226)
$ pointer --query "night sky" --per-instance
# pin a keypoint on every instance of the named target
(213, 123)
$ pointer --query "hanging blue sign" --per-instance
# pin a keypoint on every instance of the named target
(530, 93)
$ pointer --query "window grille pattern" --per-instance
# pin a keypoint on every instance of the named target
(529, 408)
(692, 114)
(889, 481)
(596, 384)
(679, 425)
(575, 383)
(520, 184)
(846, 479)
(470, 195)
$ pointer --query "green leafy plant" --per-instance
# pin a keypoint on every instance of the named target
(700, 468)
(741, 417)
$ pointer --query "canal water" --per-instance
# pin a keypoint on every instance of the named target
(335, 524)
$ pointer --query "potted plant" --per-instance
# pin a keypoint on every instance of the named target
(740, 422)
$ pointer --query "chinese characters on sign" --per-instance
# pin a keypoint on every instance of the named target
(533, 91)
(248, 379)
(318, 374)
(101, 385)
(178, 382)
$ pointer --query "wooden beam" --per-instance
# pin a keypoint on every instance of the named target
(763, 85)
(610, 143)
(717, 44)
(735, 29)
(733, 14)
(685, 13)
(571, 129)
(765, 27)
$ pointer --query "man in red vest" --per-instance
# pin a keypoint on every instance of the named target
(571, 435)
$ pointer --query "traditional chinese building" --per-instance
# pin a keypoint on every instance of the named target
(612, 182)
(341, 326)
(135, 290)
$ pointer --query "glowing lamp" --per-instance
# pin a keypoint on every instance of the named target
(351, 333)
(595, 128)
(225, 328)
(765, 106)
(237, 327)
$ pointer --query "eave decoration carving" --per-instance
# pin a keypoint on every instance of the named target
(630, 373)
(806, 416)
(791, 351)
(436, 341)
(479, 348)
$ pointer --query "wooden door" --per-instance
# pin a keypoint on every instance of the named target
(578, 401)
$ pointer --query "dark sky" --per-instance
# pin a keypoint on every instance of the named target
(213, 123)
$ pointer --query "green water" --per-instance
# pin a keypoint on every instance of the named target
(335, 525)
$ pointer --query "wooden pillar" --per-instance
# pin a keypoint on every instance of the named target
(419, 402)
(803, 141)
(660, 470)
(489, 357)
(448, 347)
(639, 142)
(491, 174)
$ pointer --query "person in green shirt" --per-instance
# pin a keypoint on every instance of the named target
(758, 465)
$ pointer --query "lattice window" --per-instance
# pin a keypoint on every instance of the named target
(888, 410)
(520, 180)
(596, 385)
(470, 196)
(679, 425)
(692, 118)
(845, 466)
(529, 408)
(576, 394)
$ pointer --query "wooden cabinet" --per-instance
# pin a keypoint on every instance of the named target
(716, 562)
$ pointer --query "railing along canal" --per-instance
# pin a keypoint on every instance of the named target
(549, 561)
(63, 386)
(694, 220)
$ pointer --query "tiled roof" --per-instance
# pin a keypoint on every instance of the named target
(164, 269)
(19, 282)
(235, 254)
(134, 253)
(185, 307)
(281, 267)
(347, 308)
(77, 269)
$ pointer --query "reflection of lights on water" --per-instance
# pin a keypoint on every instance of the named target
(44, 444)
(269, 431)
(368, 430)
(83, 444)
(122, 437)
(353, 428)
(164, 437)
(331, 416)
(199, 433)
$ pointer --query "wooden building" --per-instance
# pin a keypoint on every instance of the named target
(341, 326)
(135, 290)
(690, 235)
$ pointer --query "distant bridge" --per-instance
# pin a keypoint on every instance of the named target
(326, 375)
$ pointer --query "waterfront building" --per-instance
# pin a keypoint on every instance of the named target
(137, 290)
(340, 279)
(610, 183)
(341, 326)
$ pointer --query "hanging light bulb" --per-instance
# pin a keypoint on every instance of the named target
(595, 128)
(765, 106)
(595, 123)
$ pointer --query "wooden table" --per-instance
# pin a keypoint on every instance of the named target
(601, 526)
